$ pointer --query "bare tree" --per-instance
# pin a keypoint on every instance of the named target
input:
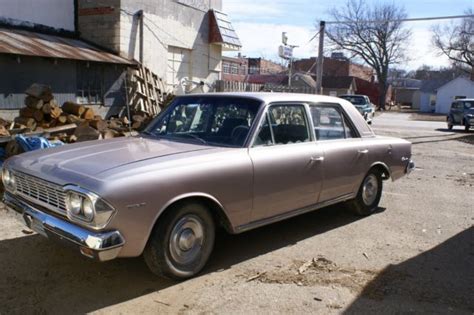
(373, 34)
(456, 41)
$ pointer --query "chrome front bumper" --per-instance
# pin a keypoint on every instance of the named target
(102, 246)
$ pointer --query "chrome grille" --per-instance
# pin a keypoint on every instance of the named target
(45, 193)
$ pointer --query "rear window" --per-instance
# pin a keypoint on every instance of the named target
(356, 100)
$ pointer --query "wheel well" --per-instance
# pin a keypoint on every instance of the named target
(220, 218)
(382, 169)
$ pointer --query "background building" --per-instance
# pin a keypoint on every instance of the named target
(461, 87)
(82, 48)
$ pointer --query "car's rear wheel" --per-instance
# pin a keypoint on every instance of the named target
(466, 126)
(369, 194)
(181, 242)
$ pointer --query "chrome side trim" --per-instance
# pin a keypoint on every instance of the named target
(286, 215)
(101, 246)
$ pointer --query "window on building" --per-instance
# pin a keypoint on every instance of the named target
(226, 68)
(179, 65)
(234, 69)
(253, 70)
(89, 78)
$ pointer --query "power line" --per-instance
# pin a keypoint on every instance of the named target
(404, 20)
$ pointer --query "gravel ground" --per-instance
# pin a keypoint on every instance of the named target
(415, 255)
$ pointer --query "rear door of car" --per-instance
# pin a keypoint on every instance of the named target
(345, 154)
(287, 162)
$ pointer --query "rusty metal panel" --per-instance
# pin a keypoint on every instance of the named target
(21, 42)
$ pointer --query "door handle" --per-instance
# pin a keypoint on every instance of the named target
(365, 151)
(317, 158)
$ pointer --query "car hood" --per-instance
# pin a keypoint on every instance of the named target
(95, 157)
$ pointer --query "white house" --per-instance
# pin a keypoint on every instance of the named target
(461, 87)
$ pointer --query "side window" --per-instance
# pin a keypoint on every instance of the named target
(330, 124)
(264, 135)
(288, 125)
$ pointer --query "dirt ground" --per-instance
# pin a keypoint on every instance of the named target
(416, 254)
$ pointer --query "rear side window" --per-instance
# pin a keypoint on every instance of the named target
(330, 124)
(284, 124)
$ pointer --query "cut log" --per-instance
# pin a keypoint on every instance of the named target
(88, 114)
(62, 119)
(27, 112)
(125, 120)
(33, 102)
(28, 122)
(4, 122)
(137, 125)
(72, 139)
(12, 148)
(40, 91)
(115, 124)
(55, 112)
(138, 118)
(73, 119)
(4, 131)
(109, 134)
(73, 108)
(38, 115)
(99, 125)
(85, 133)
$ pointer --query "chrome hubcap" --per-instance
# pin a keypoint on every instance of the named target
(370, 189)
(186, 239)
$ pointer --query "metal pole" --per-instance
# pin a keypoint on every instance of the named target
(289, 76)
(319, 69)
(140, 17)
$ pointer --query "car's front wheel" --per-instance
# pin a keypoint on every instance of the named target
(369, 194)
(181, 241)
(450, 124)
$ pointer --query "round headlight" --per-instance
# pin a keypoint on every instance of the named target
(88, 209)
(74, 203)
(8, 179)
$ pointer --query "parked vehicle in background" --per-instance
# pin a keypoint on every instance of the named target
(363, 105)
(461, 114)
(239, 161)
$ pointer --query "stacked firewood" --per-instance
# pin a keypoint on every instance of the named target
(42, 112)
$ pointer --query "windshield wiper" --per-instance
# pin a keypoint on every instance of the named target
(190, 135)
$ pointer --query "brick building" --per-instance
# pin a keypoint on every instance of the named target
(234, 68)
(335, 67)
(264, 66)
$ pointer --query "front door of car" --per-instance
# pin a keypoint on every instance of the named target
(457, 112)
(345, 156)
(287, 162)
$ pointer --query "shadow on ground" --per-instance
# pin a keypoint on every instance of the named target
(439, 280)
(37, 276)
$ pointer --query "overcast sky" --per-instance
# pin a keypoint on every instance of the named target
(259, 24)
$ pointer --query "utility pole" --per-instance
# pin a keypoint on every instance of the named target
(140, 21)
(319, 69)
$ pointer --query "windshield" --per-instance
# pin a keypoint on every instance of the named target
(355, 100)
(224, 121)
(469, 105)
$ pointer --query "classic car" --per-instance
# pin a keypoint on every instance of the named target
(232, 160)
(363, 105)
(461, 114)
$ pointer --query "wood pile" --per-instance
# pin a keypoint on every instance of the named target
(71, 122)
